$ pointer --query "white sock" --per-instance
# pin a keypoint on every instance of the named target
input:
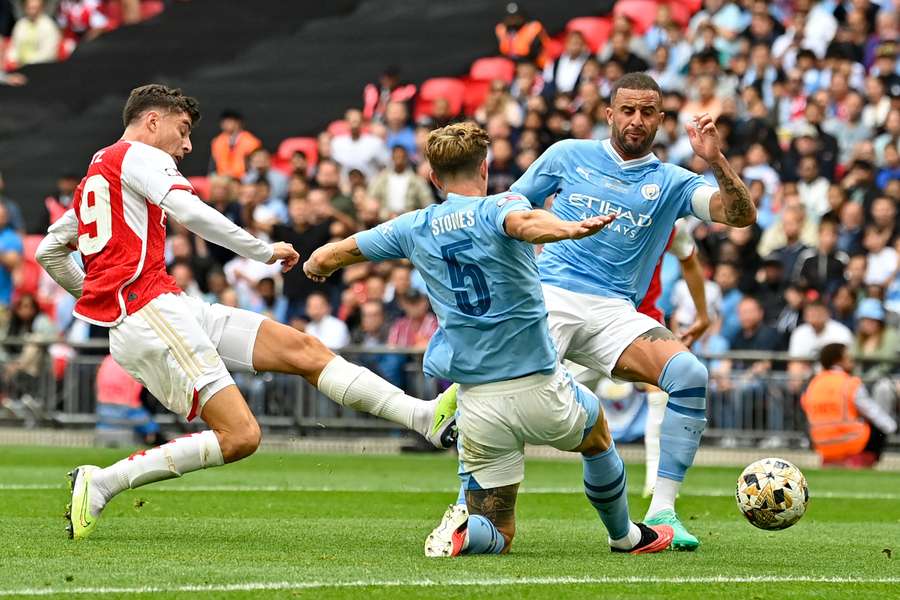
(629, 541)
(361, 389)
(172, 459)
(656, 410)
(663, 495)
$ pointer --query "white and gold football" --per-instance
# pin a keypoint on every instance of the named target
(772, 493)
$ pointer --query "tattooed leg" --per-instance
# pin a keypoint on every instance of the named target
(643, 360)
(492, 519)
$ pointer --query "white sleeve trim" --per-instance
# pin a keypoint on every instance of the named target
(213, 226)
(700, 202)
(55, 254)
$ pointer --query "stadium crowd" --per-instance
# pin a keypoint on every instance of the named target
(806, 97)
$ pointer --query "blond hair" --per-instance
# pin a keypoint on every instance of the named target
(457, 150)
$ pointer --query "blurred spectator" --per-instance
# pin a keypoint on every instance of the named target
(415, 328)
(119, 404)
(822, 268)
(359, 150)
(330, 330)
(35, 37)
(398, 188)
(882, 259)
(373, 332)
(502, 168)
(378, 96)
(24, 360)
(520, 38)
(817, 330)
(10, 257)
(13, 213)
(57, 203)
(850, 232)
(260, 167)
(307, 231)
(563, 74)
(727, 278)
(846, 426)
(812, 188)
(231, 148)
(705, 101)
(500, 103)
(328, 199)
(269, 302)
(875, 341)
(618, 50)
(181, 271)
(793, 221)
(399, 130)
(81, 19)
(849, 129)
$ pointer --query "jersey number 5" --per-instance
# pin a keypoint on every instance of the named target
(458, 275)
(95, 208)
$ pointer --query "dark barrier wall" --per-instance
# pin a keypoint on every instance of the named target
(290, 66)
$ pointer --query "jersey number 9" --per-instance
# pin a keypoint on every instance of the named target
(458, 275)
(95, 208)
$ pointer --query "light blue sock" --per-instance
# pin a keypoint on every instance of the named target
(685, 379)
(604, 486)
(461, 498)
(483, 537)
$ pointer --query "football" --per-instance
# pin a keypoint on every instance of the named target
(772, 493)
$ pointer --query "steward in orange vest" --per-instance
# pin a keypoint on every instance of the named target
(520, 39)
(833, 402)
(231, 148)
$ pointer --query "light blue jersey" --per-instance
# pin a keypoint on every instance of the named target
(483, 286)
(590, 179)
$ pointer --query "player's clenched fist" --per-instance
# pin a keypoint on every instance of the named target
(284, 252)
(591, 226)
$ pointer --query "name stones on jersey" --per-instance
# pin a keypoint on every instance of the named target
(453, 221)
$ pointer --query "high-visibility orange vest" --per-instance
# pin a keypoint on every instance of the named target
(835, 427)
(231, 160)
(518, 45)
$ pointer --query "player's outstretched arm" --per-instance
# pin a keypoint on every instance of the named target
(542, 227)
(213, 226)
(55, 254)
(331, 257)
(731, 205)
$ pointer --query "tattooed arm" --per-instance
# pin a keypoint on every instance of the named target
(731, 205)
(331, 257)
(497, 505)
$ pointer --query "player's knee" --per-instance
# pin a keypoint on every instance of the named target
(241, 442)
(686, 377)
(307, 354)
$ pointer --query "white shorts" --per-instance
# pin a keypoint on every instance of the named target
(495, 421)
(182, 349)
(593, 331)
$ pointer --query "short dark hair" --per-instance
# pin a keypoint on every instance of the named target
(162, 97)
(634, 81)
(831, 354)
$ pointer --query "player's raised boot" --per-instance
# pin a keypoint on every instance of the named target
(82, 518)
(448, 537)
(443, 433)
(654, 538)
(683, 539)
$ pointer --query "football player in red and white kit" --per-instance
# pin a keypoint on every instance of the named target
(181, 348)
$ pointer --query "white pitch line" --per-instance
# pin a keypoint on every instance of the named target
(711, 492)
(424, 583)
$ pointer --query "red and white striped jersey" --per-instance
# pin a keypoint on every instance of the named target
(122, 230)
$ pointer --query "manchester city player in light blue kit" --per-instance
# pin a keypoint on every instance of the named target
(476, 256)
(592, 285)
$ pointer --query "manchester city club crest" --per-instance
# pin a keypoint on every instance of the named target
(650, 191)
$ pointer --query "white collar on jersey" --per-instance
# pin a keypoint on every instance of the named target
(627, 164)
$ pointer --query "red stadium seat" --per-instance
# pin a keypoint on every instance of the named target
(681, 13)
(151, 8)
(491, 68)
(476, 92)
(642, 13)
(286, 149)
(555, 46)
(450, 88)
(596, 30)
(201, 186)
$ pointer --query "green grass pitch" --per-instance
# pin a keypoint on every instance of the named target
(338, 526)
